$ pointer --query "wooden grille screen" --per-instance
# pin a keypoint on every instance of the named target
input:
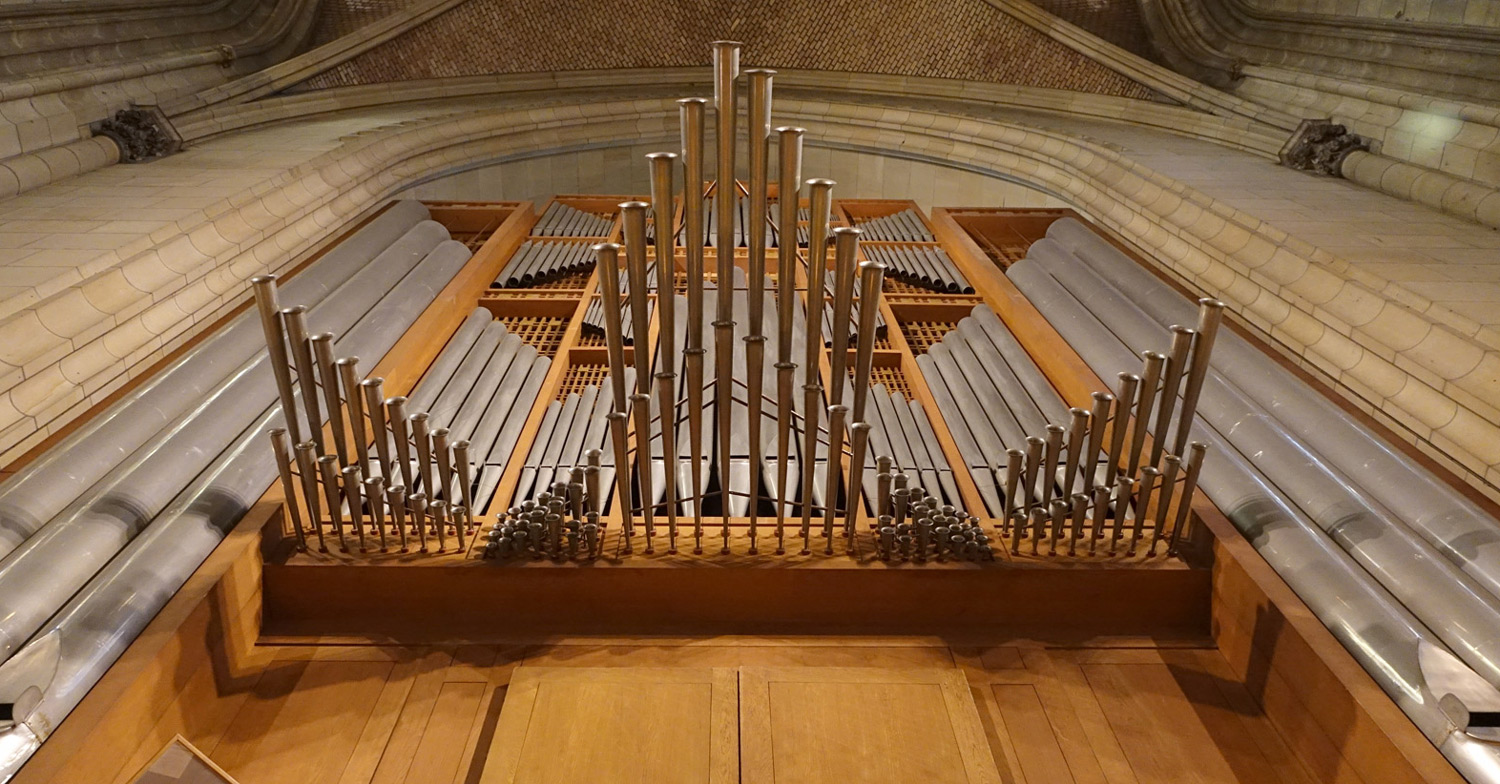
(580, 376)
(893, 379)
(920, 335)
(544, 333)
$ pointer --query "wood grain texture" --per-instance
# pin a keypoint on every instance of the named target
(618, 725)
(865, 725)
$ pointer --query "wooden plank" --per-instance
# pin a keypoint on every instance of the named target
(814, 724)
(625, 725)
(439, 757)
(310, 731)
(406, 734)
(1161, 735)
(675, 655)
(377, 731)
(1026, 723)
(1082, 729)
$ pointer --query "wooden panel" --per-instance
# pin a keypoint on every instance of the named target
(857, 725)
(618, 725)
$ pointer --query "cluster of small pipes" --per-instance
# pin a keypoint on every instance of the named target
(356, 478)
(1054, 489)
(914, 527)
(560, 524)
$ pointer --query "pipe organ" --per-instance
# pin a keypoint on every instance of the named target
(777, 418)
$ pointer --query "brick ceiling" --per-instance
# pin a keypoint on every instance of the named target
(957, 39)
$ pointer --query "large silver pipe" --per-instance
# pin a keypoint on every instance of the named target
(1145, 400)
(1077, 428)
(375, 497)
(618, 440)
(421, 436)
(871, 278)
(269, 309)
(662, 201)
(499, 368)
(836, 414)
(395, 495)
(1119, 424)
(846, 248)
(328, 470)
(353, 486)
(641, 406)
(1048, 475)
(859, 433)
(633, 218)
(609, 288)
(1210, 314)
(691, 115)
(322, 348)
(1098, 419)
(726, 105)
(307, 457)
(374, 393)
(280, 448)
(788, 201)
(758, 138)
(1177, 359)
(395, 414)
(820, 199)
(295, 320)
(348, 368)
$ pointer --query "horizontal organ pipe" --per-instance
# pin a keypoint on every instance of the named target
(1463, 532)
(69, 550)
(1376, 629)
(112, 608)
(1465, 615)
(42, 489)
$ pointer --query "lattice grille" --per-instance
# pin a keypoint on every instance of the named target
(580, 376)
(590, 339)
(894, 286)
(542, 332)
(893, 379)
(573, 281)
(922, 334)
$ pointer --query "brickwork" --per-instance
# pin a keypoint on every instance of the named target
(340, 17)
(1116, 21)
(954, 39)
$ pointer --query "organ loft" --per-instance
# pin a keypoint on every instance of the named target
(956, 391)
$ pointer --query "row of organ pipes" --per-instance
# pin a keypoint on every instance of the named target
(648, 431)
(415, 484)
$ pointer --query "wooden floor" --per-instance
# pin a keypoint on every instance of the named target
(1120, 711)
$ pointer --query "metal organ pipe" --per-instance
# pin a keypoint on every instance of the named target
(1463, 532)
(1452, 604)
(102, 615)
(45, 486)
(1376, 629)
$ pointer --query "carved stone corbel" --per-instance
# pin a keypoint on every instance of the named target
(1321, 146)
(143, 134)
